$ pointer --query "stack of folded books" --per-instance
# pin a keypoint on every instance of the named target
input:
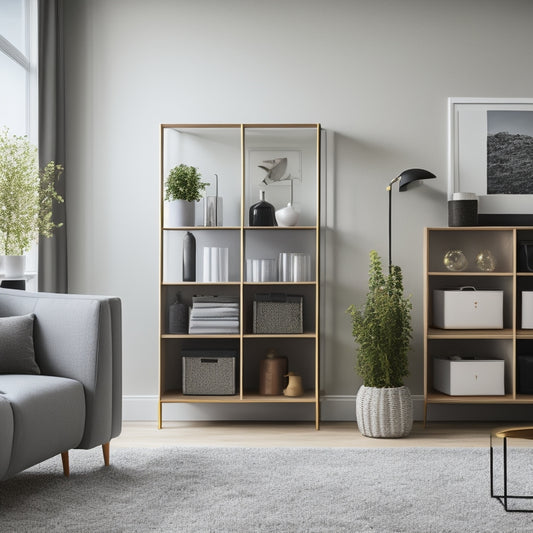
(211, 315)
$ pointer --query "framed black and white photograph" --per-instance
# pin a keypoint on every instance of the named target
(491, 153)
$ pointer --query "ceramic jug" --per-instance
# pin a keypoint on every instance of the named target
(294, 387)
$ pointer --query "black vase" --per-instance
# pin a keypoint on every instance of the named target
(262, 213)
(189, 257)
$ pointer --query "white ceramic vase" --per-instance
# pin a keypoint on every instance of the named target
(181, 213)
(287, 216)
(14, 266)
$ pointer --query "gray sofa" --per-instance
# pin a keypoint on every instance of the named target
(68, 396)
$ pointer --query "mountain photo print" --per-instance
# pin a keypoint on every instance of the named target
(509, 152)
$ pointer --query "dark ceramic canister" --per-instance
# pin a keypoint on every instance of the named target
(262, 213)
(178, 317)
(189, 257)
(462, 210)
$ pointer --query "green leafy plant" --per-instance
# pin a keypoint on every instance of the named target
(183, 183)
(27, 195)
(382, 328)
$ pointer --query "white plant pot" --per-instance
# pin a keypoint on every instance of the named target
(384, 412)
(14, 266)
(180, 213)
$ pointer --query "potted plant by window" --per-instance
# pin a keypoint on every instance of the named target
(27, 195)
(382, 329)
(182, 189)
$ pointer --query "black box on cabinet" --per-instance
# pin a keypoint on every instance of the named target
(209, 372)
(524, 378)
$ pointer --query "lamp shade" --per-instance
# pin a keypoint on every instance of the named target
(413, 174)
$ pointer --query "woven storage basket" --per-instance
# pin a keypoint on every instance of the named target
(384, 412)
(277, 313)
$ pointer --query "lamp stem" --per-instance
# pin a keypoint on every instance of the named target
(390, 226)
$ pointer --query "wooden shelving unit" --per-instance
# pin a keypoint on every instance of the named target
(507, 343)
(231, 151)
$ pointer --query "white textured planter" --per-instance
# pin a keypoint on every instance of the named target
(14, 266)
(384, 412)
(180, 213)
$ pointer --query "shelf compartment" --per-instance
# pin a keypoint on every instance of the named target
(500, 241)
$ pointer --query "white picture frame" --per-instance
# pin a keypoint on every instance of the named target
(467, 153)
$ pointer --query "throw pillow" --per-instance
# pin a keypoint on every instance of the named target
(17, 354)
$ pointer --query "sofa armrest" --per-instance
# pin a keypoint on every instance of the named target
(79, 337)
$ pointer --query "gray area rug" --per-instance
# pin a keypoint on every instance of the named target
(244, 490)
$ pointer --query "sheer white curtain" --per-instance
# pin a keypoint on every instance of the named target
(19, 88)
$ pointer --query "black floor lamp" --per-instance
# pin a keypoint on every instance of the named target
(405, 178)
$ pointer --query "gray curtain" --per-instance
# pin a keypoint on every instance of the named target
(52, 251)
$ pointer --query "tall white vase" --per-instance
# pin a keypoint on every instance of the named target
(14, 266)
(180, 213)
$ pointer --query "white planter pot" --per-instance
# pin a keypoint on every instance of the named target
(180, 213)
(384, 412)
(14, 266)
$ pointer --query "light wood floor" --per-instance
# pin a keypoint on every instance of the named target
(331, 434)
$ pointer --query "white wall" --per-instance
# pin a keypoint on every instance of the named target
(375, 73)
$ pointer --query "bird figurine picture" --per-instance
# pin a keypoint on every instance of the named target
(275, 170)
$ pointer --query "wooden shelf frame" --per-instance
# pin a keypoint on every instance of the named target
(241, 288)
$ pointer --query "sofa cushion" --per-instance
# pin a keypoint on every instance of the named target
(48, 416)
(17, 354)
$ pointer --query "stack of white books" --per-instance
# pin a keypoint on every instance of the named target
(211, 315)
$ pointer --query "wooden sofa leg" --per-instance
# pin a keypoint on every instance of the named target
(66, 466)
(105, 449)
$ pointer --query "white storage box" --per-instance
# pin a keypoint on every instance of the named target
(527, 309)
(469, 377)
(467, 309)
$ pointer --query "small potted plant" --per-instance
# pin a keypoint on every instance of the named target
(382, 329)
(27, 195)
(182, 189)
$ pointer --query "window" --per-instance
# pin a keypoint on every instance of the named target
(18, 72)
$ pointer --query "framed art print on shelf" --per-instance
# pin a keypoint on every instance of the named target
(490, 150)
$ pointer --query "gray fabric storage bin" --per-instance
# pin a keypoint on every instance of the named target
(209, 372)
(278, 313)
